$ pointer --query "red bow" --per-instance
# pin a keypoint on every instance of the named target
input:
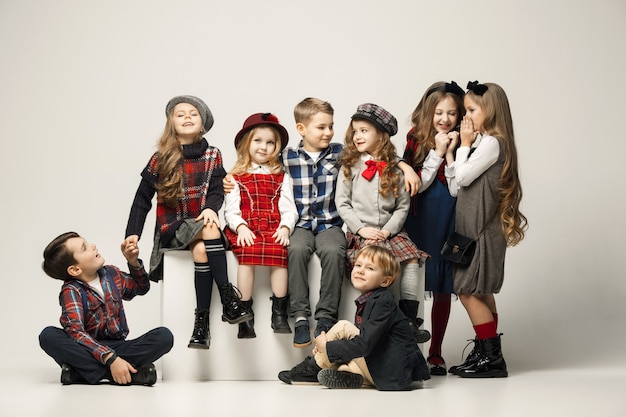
(372, 167)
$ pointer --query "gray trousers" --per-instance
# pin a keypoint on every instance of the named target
(330, 247)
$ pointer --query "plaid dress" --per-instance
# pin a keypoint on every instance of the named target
(259, 194)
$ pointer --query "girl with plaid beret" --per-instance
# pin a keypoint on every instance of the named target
(260, 214)
(372, 203)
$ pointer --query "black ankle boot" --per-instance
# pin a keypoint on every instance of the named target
(490, 363)
(234, 311)
(246, 328)
(410, 308)
(279, 314)
(201, 338)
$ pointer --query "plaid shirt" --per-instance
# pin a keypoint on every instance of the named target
(202, 188)
(103, 318)
(360, 307)
(314, 186)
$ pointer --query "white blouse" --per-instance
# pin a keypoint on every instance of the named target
(465, 168)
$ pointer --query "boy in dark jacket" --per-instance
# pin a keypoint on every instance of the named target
(379, 349)
(92, 344)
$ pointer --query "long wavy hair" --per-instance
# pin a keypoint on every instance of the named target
(499, 123)
(385, 151)
(422, 121)
(244, 160)
(170, 184)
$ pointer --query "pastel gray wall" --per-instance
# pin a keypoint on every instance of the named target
(84, 85)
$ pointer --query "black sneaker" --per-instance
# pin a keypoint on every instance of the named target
(323, 325)
(333, 378)
(70, 376)
(302, 334)
(304, 373)
(146, 375)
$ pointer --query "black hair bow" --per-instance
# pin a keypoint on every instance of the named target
(451, 87)
(476, 88)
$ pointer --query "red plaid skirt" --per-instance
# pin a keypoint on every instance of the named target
(400, 245)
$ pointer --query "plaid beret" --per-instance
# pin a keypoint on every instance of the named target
(203, 109)
(377, 115)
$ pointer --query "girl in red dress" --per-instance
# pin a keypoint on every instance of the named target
(260, 214)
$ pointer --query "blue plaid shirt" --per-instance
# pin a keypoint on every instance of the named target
(314, 186)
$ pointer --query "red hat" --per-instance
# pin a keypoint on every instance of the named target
(259, 119)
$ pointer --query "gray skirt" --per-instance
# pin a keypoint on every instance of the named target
(184, 235)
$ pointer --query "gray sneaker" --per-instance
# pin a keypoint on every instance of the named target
(333, 378)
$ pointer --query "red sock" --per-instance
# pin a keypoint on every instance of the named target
(486, 330)
(440, 314)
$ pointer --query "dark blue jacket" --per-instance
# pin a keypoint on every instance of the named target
(386, 342)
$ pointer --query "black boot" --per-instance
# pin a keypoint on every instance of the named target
(201, 338)
(246, 328)
(234, 311)
(410, 308)
(279, 314)
(490, 363)
(469, 360)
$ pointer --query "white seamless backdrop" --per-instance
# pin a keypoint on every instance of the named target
(84, 86)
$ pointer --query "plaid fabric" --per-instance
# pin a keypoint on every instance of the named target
(360, 307)
(259, 208)
(314, 186)
(202, 187)
(103, 314)
(400, 245)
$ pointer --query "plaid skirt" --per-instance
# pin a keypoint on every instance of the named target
(185, 233)
(400, 245)
(264, 251)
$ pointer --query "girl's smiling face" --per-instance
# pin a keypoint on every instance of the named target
(365, 136)
(262, 145)
(446, 115)
(187, 122)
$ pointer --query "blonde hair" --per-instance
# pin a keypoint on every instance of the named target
(385, 151)
(244, 160)
(499, 124)
(383, 257)
(309, 107)
(170, 184)
(422, 120)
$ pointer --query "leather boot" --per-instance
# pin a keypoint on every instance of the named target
(246, 328)
(233, 309)
(490, 363)
(469, 360)
(279, 314)
(410, 308)
(200, 338)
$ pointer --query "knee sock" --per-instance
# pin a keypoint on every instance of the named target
(217, 259)
(203, 280)
(440, 314)
(486, 330)
(409, 283)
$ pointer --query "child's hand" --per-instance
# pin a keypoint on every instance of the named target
(209, 217)
(320, 343)
(130, 250)
(412, 181)
(442, 141)
(227, 183)
(454, 140)
(468, 135)
(372, 233)
(281, 236)
(245, 237)
(121, 370)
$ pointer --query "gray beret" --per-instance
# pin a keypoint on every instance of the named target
(377, 115)
(205, 113)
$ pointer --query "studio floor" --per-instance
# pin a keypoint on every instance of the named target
(567, 392)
